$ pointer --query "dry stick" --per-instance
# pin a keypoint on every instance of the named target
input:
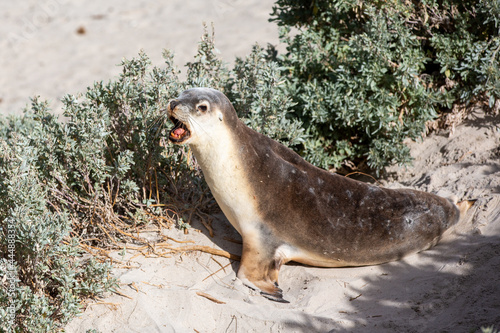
(161, 224)
(136, 255)
(157, 191)
(122, 294)
(463, 156)
(150, 255)
(93, 211)
(116, 194)
(119, 218)
(126, 266)
(128, 234)
(209, 297)
(191, 211)
(195, 209)
(178, 241)
(132, 285)
(113, 305)
(158, 217)
(209, 228)
(144, 247)
(159, 286)
(218, 263)
(107, 234)
(232, 240)
(150, 187)
(171, 179)
(89, 239)
(191, 248)
(102, 252)
(110, 194)
(149, 247)
(220, 269)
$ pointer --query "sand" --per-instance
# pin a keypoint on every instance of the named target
(55, 47)
(453, 287)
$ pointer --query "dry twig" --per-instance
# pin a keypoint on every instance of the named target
(209, 297)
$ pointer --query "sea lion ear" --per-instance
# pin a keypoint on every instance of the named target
(221, 116)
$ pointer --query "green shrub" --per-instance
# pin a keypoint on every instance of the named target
(46, 269)
(258, 95)
(65, 186)
(255, 86)
(365, 76)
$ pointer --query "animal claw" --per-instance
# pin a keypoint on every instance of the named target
(276, 296)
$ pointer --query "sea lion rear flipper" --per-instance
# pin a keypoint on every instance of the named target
(259, 269)
(465, 205)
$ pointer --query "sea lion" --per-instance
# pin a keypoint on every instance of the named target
(287, 209)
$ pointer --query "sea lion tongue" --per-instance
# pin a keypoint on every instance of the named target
(178, 132)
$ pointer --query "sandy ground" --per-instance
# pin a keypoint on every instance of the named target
(43, 53)
(454, 287)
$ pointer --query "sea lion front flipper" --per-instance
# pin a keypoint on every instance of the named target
(276, 296)
(259, 269)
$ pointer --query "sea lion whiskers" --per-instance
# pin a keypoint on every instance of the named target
(191, 119)
(159, 121)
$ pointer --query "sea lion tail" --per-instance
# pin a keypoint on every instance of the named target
(464, 221)
(465, 205)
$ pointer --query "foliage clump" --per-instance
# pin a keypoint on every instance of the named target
(44, 273)
(365, 76)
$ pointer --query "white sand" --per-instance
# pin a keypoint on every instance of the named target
(454, 287)
(41, 52)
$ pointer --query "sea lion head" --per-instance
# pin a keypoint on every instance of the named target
(199, 113)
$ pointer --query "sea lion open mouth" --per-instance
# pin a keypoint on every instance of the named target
(180, 132)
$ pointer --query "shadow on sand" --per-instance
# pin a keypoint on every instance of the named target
(454, 287)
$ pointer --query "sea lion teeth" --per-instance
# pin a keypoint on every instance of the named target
(287, 209)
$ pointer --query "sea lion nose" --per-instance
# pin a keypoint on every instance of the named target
(173, 104)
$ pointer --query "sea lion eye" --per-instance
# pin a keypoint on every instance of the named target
(202, 107)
